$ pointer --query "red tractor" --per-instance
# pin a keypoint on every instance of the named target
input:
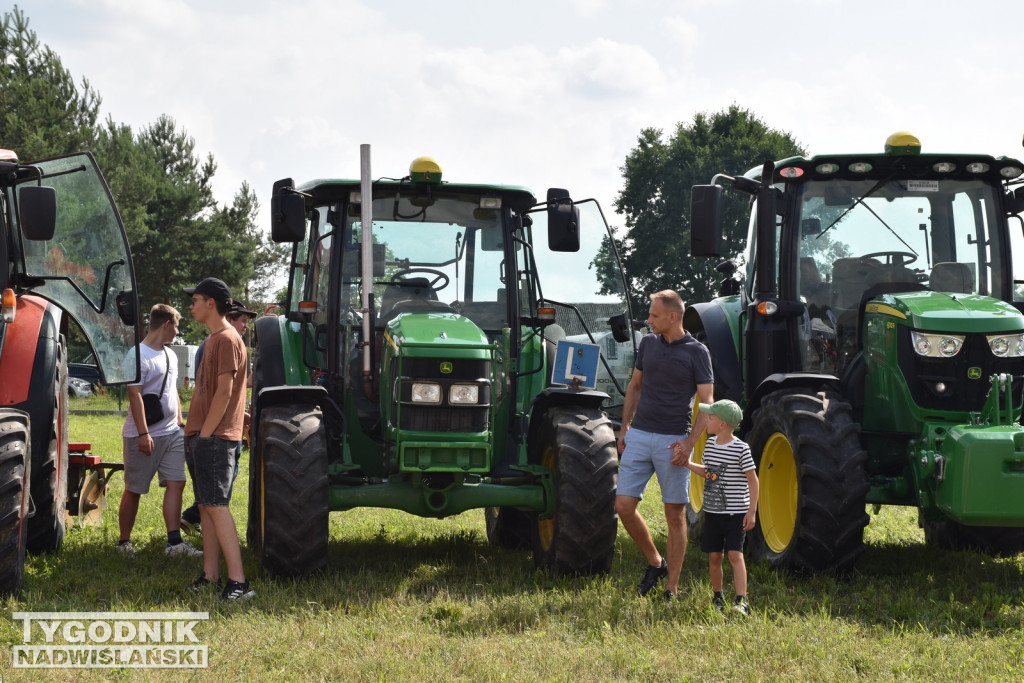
(65, 256)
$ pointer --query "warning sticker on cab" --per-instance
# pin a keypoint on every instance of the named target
(922, 186)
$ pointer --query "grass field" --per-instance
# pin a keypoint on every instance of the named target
(414, 599)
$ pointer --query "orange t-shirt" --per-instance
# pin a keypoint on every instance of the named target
(223, 351)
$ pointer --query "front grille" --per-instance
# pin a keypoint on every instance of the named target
(963, 393)
(443, 417)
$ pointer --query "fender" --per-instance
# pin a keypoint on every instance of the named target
(35, 321)
(718, 334)
(811, 381)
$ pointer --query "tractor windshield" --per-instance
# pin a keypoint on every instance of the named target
(861, 238)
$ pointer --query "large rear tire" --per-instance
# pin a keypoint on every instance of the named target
(50, 472)
(292, 491)
(991, 540)
(578, 444)
(811, 469)
(15, 474)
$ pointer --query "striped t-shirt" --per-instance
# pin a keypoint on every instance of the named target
(725, 482)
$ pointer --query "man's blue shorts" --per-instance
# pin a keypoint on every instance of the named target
(645, 454)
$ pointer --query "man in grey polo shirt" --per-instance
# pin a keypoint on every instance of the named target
(671, 367)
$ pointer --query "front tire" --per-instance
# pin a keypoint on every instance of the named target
(811, 470)
(15, 475)
(292, 491)
(50, 474)
(578, 444)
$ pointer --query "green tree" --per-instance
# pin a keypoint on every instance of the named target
(655, 200)
(162, 187)
(42, 112)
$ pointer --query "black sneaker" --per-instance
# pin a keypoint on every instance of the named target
(202, 583)
(652, 576)
(719, 602)
(741, 605)
(233, 590)
(669, 596)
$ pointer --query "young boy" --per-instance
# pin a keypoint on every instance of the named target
(730, 498)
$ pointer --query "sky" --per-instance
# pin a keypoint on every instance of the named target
(538, 94)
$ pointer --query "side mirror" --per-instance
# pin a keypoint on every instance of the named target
(287, 213)
(621, 331)
(37, 208)
(623, 327)
(563, 222)
(126, 307)
(1014, 202)
(706, 220)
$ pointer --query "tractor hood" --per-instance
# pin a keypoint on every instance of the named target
(949, 312)
(417, 333)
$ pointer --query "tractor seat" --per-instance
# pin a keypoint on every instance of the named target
(414, 295)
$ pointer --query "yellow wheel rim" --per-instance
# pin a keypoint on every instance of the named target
(776, 505)
(697, 483)
(546, 527)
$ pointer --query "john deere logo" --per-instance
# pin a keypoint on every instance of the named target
(973, 373)
(446, 368)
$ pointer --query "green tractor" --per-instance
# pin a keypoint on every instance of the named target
(872, 329)
(412, 367)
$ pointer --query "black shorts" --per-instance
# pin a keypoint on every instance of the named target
(722, 531)
(211, 464)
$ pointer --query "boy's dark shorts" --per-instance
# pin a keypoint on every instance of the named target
(722, 531)
(211, 463)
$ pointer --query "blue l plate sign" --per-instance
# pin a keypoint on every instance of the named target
(576, 364)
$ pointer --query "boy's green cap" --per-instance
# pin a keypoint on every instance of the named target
(728, 411)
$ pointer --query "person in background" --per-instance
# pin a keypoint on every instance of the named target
(157, 448)
(239, 318)
(214, 426)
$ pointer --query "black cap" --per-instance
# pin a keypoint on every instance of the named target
(213, 288)
(237, 309)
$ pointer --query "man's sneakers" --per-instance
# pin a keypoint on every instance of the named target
(184, 548)
(234, 590)
(652, 576)
(126, 548)
(719, 602)
(741, 605)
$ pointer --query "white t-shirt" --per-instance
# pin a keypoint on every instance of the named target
(154, 364)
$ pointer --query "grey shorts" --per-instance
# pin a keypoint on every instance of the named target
(645, 454)
(211, 462)
(167, 460)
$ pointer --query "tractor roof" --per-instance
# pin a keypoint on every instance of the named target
(519, 198)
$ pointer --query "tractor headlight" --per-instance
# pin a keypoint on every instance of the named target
(1007, 345)
(426, 392)
(463, 393)
(936, 345)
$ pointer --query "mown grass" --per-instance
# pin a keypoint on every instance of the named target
(406, 598)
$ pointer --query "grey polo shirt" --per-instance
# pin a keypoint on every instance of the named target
(672, 372)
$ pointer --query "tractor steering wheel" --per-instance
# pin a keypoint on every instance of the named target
(891, 257)
(441, 277)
